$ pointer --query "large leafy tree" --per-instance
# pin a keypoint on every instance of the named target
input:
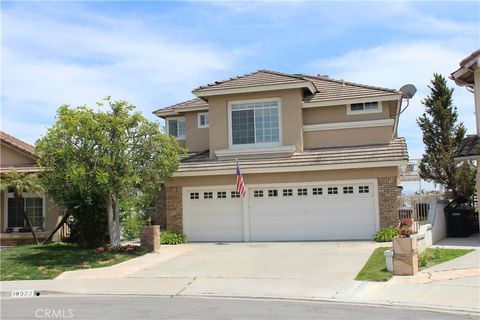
(442, 134)
(98, 157)
(20, 183)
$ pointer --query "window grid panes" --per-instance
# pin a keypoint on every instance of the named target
(258, 193)
(221, 195)
(364, 106)
(208, 195)
(176, 128)
(33, 208)
(302, 192)
(203, 120)
(363, 189)
(347, 190)
(332, 190)
(234, 194)
(287, 192)
(194, 195)
(317, 191)
(273, 193)
(255, 122)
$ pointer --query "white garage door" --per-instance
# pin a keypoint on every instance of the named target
(322, 212)
(335, 211)
(213, 215)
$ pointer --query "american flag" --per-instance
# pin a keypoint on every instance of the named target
(240, 183)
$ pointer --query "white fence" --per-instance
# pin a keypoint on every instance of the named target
(416, 206)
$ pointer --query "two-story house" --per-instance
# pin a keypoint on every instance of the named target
(320, 159)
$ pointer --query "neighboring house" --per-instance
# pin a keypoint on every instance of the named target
(468, 75)
(44, 214)
(320, 159)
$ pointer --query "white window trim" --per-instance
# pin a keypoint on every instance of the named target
(199, 115)
(175, 118)
(355, 112)
(7, 195)
(254, 145)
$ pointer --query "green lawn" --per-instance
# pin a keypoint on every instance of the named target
(48, 261)
(376, 268)
(433, 256)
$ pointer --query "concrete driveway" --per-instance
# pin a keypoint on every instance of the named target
(310, 269)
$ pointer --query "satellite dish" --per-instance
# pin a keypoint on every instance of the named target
(408, 91)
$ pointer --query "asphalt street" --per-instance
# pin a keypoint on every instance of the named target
(172, 308)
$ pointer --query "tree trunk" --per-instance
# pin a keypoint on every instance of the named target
(59, 225)
(113, 211)
(29, 225)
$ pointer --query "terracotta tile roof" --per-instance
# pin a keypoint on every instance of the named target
(394, 151)
(330, 89)
(18, 144)
(257, 78)
(184, 106)
(469, 147)
(327, 89)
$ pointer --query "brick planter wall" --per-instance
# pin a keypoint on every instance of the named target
(388, 198)
(174, 208)
(150, 238)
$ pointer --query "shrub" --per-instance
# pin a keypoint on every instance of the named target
(131, 227)
(172, 237)
(385, 234)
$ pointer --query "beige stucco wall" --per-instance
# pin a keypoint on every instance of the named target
(347, 137)
(339, 114)
(286, 177)
(11, 157)
(196, 138)
(291, 117)
(53, 214)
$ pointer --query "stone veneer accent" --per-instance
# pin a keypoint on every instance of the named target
(174, 209)
(388, 201)
(161, 208)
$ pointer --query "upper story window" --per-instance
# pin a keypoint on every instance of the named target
(176, 128)
(255, 122)
(203, 120)
(364, 107)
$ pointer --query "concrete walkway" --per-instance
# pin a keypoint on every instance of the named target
(308, 274)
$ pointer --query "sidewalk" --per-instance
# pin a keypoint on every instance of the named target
(452, 286)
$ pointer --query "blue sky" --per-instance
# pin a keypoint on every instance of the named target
(154, 53)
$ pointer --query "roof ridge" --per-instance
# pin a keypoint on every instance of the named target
(351, 83)
(249, 74)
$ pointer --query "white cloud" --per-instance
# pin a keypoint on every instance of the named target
(75, 56)
(394, 64)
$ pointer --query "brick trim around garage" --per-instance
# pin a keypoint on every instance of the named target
(388, 200)
(174, 208)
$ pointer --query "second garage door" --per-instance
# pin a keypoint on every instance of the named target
(323, 212)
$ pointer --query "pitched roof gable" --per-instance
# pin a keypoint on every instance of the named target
(258, 79)
(21, 146)
(330, 90)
